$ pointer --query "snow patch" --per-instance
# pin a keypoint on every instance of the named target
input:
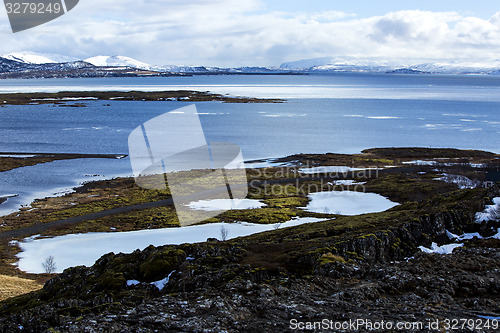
(444, 249)
(347, 203)
(462, 181)
(464, 236)
(85, 249)
(162, 283)
(346, 182)
(17, 156)
(491, 212)
(132, 283)
(332, 169)
(225, 204)
(421, 162)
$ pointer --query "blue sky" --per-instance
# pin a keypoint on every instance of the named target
(483, 9)
(268, 33)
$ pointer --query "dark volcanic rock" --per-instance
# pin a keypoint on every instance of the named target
(373, 272)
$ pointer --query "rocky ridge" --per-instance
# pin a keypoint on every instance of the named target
(326, 270)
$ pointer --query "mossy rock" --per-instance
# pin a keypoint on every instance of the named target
(111, 280)
(160, 263)
(331, 258)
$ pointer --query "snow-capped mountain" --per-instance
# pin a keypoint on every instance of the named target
(38, 58)
(382, 66)
(455, 67)
(53, 65)
(306, 64)
(341, 65)
(29, 67)
(10, 66)
(117, 61)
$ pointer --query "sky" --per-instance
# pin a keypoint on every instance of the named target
(267, 32)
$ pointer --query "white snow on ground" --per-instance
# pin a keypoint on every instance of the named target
(225, 204)
(448, 248)
(497, 236)
(444, 249)
(462, 181)
(472, 235)
(421, 162)
(347, 203)
(491, 212)
(332, 169)
(132, 283)
(464, 236)
(158, 284)
(85, 249)
(17, 156)
(163, 282)
(346, 182)
(428, 162)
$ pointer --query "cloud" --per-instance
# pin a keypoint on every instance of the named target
(232, 33)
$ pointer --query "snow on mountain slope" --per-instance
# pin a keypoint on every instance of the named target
(340, 64)
(306, 64)
(117, 61)
(454, 67)
(38, 58)
(379, 65)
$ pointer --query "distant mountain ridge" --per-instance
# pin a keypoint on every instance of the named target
(351, 64)
(38, 58)
(32, 64)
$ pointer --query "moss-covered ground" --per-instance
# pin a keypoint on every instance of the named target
(414, 187)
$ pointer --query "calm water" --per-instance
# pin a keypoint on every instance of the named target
(342, 113)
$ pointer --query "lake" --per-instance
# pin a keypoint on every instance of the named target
(340, 113)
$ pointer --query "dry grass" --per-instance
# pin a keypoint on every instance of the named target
(11, 286)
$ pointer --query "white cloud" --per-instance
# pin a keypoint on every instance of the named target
(232, 33)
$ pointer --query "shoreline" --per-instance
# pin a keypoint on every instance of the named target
(14, 160)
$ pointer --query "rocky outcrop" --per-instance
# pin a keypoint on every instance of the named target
(373, 271)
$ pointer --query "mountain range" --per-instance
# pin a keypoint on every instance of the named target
(38, 65)
(347, 64)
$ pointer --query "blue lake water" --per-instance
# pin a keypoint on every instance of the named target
(342, 113)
